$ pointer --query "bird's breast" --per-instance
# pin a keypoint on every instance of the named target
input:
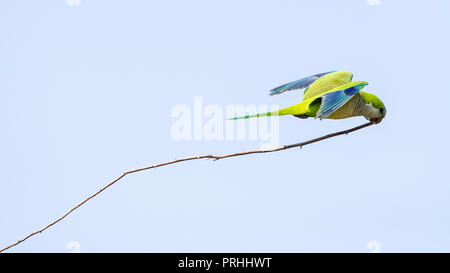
(350, 109)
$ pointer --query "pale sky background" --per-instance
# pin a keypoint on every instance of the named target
(87, 92)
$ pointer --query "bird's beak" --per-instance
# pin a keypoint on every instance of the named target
(376, 120)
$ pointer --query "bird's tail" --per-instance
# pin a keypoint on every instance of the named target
(298, 109)
(268, 114)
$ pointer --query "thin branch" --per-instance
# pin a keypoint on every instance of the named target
(215, 157)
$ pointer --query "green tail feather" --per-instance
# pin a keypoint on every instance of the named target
(281, 112)
(308, 107)
(268, 114)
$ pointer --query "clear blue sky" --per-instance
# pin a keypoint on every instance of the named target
(87, 92)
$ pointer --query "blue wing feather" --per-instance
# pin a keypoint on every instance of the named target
(334, 100)
(298, 84)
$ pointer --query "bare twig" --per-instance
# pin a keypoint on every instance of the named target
(215, 157)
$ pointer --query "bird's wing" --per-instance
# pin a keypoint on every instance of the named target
(298, 84)
(327, 83)
(333, 100)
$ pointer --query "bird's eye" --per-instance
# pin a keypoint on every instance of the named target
(381, 110)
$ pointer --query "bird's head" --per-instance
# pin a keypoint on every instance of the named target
(374, 109)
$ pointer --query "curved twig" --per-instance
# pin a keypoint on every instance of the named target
(215, 157)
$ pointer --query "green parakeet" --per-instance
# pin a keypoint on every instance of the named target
(329, 95)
